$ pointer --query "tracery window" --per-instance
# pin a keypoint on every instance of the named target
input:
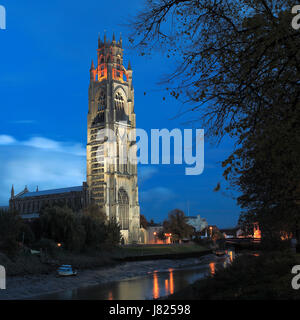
(101, 101)
(123, 209)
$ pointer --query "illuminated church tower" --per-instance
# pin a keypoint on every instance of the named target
(112, 181)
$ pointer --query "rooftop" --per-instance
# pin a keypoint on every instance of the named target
(48, 192)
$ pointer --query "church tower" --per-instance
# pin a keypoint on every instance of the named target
(111, 178)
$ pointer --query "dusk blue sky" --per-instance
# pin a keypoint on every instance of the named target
(46, 54)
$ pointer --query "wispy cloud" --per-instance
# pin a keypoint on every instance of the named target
(45, 144)
(39, 161)
(5, 139)
(146, 173)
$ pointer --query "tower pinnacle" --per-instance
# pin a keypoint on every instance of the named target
(12, 192)
(92, 65)
(110, 61)
(120, 41)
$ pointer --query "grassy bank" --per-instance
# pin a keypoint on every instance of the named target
(250, 277)
(159, 250)
(26, 264)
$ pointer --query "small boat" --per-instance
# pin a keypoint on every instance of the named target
(220, 253)
(66, 271)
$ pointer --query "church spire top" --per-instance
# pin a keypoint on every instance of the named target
(12, 191)
(92, 65)
(99, 42)
(121, 40)
(109, 62)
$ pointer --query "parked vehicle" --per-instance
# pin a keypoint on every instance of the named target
(66, 270)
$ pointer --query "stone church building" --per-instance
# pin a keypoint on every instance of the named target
(111, 181)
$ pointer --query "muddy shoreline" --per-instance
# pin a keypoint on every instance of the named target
(33, 286)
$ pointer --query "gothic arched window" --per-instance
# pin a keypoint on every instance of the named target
(119, 100)
(120, 106)
(123, 209)
(101, 101)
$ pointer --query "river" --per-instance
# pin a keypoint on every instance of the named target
(154, 284)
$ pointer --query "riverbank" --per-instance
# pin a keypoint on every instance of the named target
(27, 264)
(262, 276)
(156, 252)
(33, 286)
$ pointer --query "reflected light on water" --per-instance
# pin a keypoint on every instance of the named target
(110, 296)
(230, 256)
(171, 281)
(155, 286)
(167, 286)
(212, 267)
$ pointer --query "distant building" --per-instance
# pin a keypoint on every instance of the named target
(29, 204)
(229, 232)
(209, 231)
(197, 222)
(240, 233)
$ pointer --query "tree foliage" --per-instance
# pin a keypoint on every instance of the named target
(177, 225)
(78, 231)
(113, 232)
(144, 222)
(10, 226)
(238, 69)
(95, 212)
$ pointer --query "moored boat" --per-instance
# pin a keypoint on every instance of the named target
(66, 271)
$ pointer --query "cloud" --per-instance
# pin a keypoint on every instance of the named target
(146, 173)
(46, 144)
(39, 161)
(42, 143)
(5, 139)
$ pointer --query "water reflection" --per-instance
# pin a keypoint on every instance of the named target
(212, 267)
(167, 286)
(110, 296)
(155, 284)
(171, 281)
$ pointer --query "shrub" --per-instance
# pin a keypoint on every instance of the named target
(47, 245)
(113, 232)
(10, 226)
